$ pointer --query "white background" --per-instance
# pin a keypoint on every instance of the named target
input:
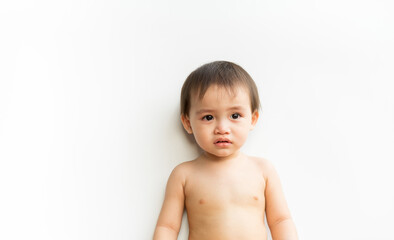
(89, 110)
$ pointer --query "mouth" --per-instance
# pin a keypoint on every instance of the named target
(222, 141)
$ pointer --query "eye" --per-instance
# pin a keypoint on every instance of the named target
(235, 116)
(207, 117)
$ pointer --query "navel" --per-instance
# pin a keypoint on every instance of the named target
(202, 201)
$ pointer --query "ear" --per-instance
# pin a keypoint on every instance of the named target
(255, 117)
(186, 124)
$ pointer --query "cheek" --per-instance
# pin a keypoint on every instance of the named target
(202, 134)
(242, 131)
(201, 131)
(202, 139)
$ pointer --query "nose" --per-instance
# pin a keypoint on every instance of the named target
(222, 127)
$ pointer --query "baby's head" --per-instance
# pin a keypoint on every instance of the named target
(223, 74)
(219, 105)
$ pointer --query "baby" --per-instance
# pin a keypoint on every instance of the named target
(225, 192)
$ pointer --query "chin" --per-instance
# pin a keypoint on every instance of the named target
(221, 155)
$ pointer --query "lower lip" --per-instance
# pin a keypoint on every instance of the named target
(222, 144)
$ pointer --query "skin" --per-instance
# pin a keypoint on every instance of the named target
(225, 192)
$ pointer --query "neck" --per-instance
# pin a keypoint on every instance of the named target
(233, 158)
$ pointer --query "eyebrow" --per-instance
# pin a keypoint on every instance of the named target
(210, 110)
(203, 110)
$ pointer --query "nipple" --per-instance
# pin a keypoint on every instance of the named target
(255, 198)
(202, 201)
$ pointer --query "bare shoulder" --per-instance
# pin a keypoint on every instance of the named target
(184, 167)
(182, 170)
(263, 164)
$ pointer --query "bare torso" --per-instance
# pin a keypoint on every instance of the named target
(225, 201)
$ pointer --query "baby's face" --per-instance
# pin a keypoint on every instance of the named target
(221, 121)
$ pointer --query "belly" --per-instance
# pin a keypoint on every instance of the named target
(231, 222)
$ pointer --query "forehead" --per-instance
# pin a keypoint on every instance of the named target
(220, 96)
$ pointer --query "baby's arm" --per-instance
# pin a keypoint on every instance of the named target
(278, 215)
(170, 218)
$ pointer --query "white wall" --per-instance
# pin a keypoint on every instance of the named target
(89, 126)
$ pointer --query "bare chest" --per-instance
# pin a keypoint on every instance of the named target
(209, 192)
